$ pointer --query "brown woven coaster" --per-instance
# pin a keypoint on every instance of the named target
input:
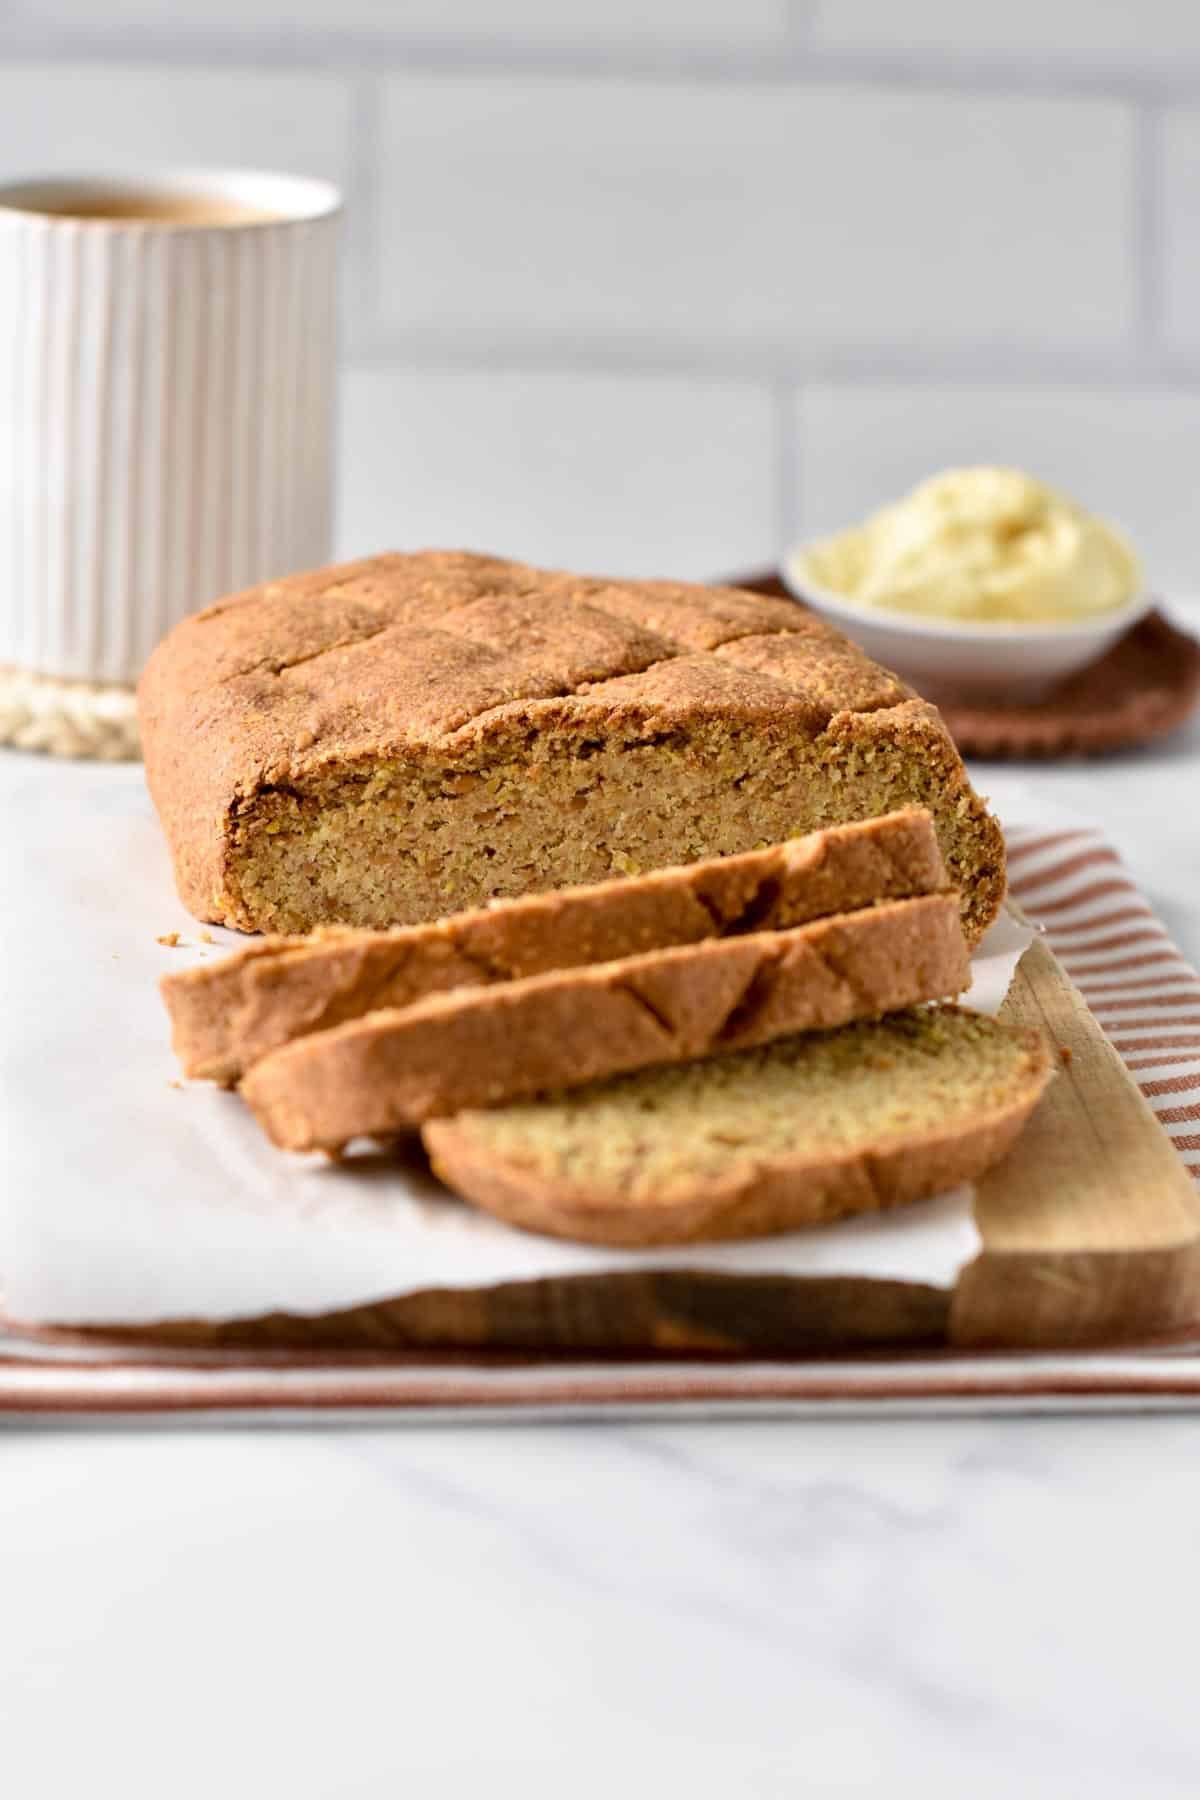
(1145, 686)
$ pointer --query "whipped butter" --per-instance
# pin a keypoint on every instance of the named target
(980, 544)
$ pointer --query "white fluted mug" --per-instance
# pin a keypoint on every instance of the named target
(167, 347)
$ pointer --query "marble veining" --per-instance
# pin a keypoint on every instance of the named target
(927, 1607)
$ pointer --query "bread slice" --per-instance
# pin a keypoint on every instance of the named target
(795, 1133)
(408, 736)
(226, 1015)
(394, 1069)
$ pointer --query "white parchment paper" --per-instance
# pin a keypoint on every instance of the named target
(126, 1196)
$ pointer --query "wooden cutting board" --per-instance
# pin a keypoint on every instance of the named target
(1090, 1229)
(1091, 1226)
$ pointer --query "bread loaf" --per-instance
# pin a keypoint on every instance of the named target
(407, 736)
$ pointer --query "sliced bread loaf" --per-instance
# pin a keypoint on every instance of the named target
(227, 1015)
(404, 737)
(800, 1131)
(396, 1068)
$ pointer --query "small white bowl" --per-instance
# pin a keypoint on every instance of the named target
(948, 659)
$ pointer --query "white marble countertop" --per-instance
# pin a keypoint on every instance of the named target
(991, 1606)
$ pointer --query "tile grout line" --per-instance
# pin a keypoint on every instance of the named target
(1149, 224)
(363, 211)
(788, 467)
(360, 62)
(799, 27)
(791, 57)
(361, 240)
(866, 365)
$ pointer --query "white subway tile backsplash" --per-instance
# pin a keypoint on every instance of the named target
(1143, 30)
(720, 213)
(67, 118)
(78, 117)
(1181, 228)
(1127, 454)
(522, 225)
(632, 23)
(617, 473)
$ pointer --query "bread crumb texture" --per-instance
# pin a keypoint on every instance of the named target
(224, 1017)
(823, 1095)
(395, 739)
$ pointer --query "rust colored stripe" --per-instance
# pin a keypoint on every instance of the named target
(1031, 846)
(1059, 871)
(84, 1397)
(1147, 927)
(1178, 1115)
(1142, 1043)
(1112, 965)
(1099, 890)
(1065, 938)
(1141, 1025)
(1187, 997)
(1182, 984)
(1191, 1142)
(1160, 1059)
(1171, 1084)
(1104, 1009)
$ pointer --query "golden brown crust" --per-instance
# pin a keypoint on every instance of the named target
(412, 669)
(225, 1016)
(393, 1070)
(783, 1193)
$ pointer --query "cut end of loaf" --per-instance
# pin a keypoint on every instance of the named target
(414, 839)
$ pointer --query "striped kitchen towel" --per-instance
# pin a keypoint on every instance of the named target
(1137, 983)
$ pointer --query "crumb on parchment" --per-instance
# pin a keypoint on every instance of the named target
(206, 937)
(169, 938)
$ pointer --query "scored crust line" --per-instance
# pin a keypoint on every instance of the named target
(677, 651)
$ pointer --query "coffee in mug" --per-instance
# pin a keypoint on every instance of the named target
(157, 205)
